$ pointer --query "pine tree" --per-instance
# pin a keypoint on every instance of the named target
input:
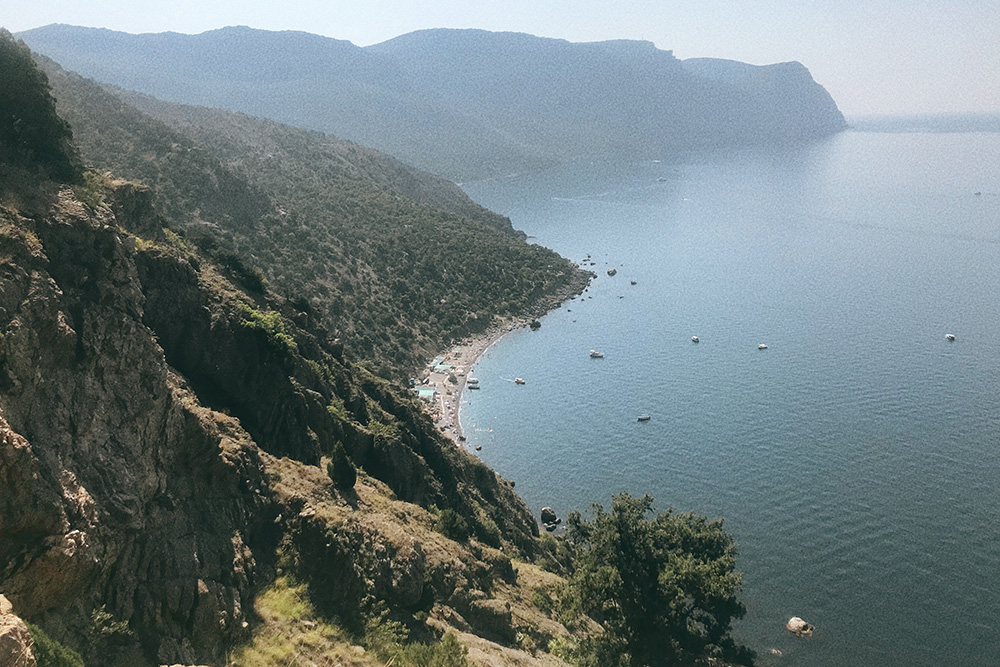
(32, 135)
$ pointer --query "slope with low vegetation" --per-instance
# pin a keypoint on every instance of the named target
(393, 261)
(191, 472)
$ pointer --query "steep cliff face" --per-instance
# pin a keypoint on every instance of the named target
(139, 500)
(148, 410)
(788, 104)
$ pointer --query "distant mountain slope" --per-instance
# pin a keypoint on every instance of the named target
(463, 103)
(292, 77)
(394, 261)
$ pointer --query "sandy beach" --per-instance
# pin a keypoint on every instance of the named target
(448, 373)
(450, 376)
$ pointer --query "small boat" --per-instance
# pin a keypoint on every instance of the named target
(950, 337)
(473, 386)
(472, 381)
(594, 354)
(762, 346)
(694, 339)
(643, 418)
(612, 271)
(518, 381)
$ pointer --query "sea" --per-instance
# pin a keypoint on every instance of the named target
(856, 459)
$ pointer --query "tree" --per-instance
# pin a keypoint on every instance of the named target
(32, 134)
(663, 589)
(341, 469)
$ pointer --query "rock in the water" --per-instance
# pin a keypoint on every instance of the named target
(799, 627)
(549, 515)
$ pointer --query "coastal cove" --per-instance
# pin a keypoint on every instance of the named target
(855, 458)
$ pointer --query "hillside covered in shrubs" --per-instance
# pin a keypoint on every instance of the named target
(393, 261)
(193, 471)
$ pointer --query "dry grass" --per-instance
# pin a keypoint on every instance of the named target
(291, 630)
(293, 635)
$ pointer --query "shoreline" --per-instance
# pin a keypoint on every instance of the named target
(445, 407)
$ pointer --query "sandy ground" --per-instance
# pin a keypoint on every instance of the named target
(445, 407)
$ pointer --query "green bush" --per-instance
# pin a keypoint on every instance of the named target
(341, 469)
(383, 430)
(337, 409)
(664, 589)
(388, 639)
(270, 324)
(50, 653)
(451, 524)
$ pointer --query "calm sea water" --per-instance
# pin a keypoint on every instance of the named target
(857, 459)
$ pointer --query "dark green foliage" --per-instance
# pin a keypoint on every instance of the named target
(393, 262)
(451, 524)
(106, 632)
(248, 277)
(50, 653)
(554, 556)
(664, 588)
(32, 135)
(389, 640)
(341, 469)
(270, 324)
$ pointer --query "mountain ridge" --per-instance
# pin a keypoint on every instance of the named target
(460, 103)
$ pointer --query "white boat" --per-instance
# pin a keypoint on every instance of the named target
(643, 418)
(518, 381)
(594, 354)
(694, 339)
(950, 337)
(472, 381)
(762, 346)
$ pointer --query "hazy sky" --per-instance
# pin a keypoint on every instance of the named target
(874, 56)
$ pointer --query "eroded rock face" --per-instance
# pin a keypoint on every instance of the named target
(15, 640)
(116, 489)
(137, 412)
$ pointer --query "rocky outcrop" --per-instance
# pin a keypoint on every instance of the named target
(15, 640)
(799, 626)
(143, 410)
(119, 491)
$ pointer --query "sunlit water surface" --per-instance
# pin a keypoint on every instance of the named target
(857, 459)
